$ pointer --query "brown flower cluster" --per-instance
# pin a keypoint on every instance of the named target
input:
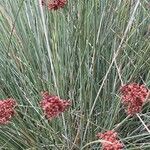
(53, 105)
(54, 4)
(111, 141)
(133, 97)
(7, 110)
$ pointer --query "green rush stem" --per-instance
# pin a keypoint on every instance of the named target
(143, 123)
(48, 46)
(119, 124)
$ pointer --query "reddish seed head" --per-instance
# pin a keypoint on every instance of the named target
(7, 110)
(53, 105)
(54, 4)
(133, 97)
(112, 142)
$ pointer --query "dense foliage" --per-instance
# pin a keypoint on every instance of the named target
(83, 52)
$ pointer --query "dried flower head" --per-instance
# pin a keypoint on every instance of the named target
(53, 105)
(111, 141)
(54, 4)
(133, 97)
(7, 110)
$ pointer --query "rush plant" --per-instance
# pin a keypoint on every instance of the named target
(82, 52)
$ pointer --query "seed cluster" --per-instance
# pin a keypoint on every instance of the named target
(133, 97)
(111, 141)
(54, 4)
(53, 105)
(7, 110)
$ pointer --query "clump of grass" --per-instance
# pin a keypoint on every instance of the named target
(83, 52)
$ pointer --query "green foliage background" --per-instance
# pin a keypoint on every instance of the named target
(83, 52)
